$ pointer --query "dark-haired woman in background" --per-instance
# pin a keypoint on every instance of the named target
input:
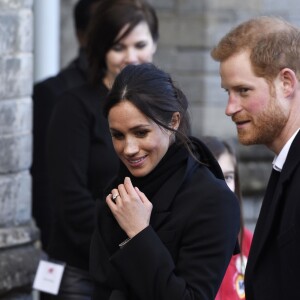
(169, 225)
(232, 287)
(80, 156)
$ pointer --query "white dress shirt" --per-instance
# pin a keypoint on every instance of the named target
(280, 159)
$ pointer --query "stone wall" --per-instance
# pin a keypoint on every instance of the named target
(18, 254)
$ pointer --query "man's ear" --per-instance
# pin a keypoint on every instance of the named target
(175, 121)
(289, 81)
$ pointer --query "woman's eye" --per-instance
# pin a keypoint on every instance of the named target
(117, 48)
(117, 135)
(140, 45)
(229, 178)
(141, 133)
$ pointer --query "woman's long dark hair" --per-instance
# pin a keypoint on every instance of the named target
(108, 20)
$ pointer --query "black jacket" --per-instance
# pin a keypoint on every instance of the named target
(80, 161)
(184, 252)
(273, 266)
(45, 95)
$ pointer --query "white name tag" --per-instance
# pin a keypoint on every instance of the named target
(48, 277)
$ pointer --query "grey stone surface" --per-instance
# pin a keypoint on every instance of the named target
(15, 75)
(15, 152)
(180, 30)
(15, 117)
(8, 31)
(25, 32)
(15, 30)
(18, 266)
(68, 43)
(163, 5)
(18, 234)
(15, 199)
(254, 176)
(235, 5)
(15, 4)
(251, 207)
(191, 6)
(181, 59)
(207, 120)
(255, 152)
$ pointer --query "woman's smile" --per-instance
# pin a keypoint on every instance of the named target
(136, 162)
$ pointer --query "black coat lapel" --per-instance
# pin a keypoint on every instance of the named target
(164, 197)
(266, 217)
(272, 204)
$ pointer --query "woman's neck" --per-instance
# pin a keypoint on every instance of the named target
(108, 80)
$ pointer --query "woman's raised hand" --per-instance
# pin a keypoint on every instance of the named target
(130, 207)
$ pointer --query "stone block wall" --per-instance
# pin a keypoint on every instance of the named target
(18, 234)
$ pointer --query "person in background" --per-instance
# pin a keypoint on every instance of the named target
(232, 287)
(169, 224)
(260, 71)
(80, 156)
(45, 95)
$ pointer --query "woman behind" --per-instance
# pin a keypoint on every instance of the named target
(232, 287)
(80, 156)
(169, 225)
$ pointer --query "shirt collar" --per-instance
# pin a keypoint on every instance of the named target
(280, 159)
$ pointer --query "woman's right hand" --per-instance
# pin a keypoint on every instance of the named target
(131, 208)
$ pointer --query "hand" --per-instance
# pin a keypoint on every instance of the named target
(131, 208)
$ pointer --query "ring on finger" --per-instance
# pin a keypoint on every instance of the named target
(114, 197)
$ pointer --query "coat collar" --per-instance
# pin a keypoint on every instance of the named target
(166, 194)
(292, 160)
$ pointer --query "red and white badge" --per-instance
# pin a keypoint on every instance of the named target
(48, 277)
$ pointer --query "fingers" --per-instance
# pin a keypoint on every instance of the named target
(126, 192)
(144, 199)
(114, 196)
(141, 195)
(110, 202)
(128, 186)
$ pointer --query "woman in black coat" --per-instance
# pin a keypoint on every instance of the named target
(80, 156)
(169, 225)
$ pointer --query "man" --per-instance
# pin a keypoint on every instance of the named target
(45, 95)
(260, 70)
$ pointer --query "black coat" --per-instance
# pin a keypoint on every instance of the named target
(184, 252)
(81, 162)
(45, 95)
(273, 266)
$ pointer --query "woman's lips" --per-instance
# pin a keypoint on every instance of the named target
(136, 162)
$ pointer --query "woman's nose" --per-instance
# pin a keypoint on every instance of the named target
(131, 56)
(131, 147)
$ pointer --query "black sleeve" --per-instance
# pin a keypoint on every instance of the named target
(68, 154)
(44, 99)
